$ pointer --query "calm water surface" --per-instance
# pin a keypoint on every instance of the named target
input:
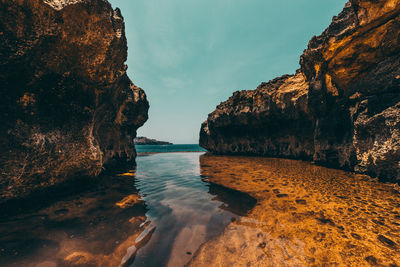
(184, 210)
(204, 210)
(156, 215)
(168, 148)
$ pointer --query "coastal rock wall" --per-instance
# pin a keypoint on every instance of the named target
(340, 109)
(68, 107)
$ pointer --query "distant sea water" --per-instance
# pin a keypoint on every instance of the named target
(169, 148)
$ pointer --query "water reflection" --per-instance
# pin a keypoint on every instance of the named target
(157, 215)
(88, 229)
(185, 211)
(305, 215)
(217, 211)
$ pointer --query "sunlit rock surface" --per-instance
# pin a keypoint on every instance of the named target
(341, 108)
(68, 107)
(305, 216)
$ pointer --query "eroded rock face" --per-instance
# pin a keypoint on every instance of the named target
(340, 109)
(68, 107)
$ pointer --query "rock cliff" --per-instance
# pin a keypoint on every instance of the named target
(68, 107)
(341, 108)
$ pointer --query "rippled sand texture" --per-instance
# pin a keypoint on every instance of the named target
(306, 215)
(102, 227)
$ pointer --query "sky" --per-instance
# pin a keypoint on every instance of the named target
(190, 55)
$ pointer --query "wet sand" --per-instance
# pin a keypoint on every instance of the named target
(198, 209)
(305, 216)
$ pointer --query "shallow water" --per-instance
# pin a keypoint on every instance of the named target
(205, 210)
(184, 210)
(156, 215)
(305, 216)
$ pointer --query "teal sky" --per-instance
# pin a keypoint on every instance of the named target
(189, 55)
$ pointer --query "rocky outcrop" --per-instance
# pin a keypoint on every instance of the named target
(141, 140)
(340, 109)
(68, 107)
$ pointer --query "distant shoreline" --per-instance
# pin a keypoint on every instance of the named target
(141, 140)
(149, 149)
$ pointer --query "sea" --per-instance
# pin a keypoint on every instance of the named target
(169, 148)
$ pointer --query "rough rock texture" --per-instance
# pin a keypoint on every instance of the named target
(67, 106)
(341, 108)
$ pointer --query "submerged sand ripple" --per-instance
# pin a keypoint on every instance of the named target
(306, 215)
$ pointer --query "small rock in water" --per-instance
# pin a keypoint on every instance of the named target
(356, 236)
(128, 202)
(371, 260)
(262, 245)
(326, 221)
(381, 222)
(386, 241)
(301, 201)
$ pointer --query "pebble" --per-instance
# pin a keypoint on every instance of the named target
(386, 241)
(301, 201)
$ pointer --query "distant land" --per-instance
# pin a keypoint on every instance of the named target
(141, 140)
